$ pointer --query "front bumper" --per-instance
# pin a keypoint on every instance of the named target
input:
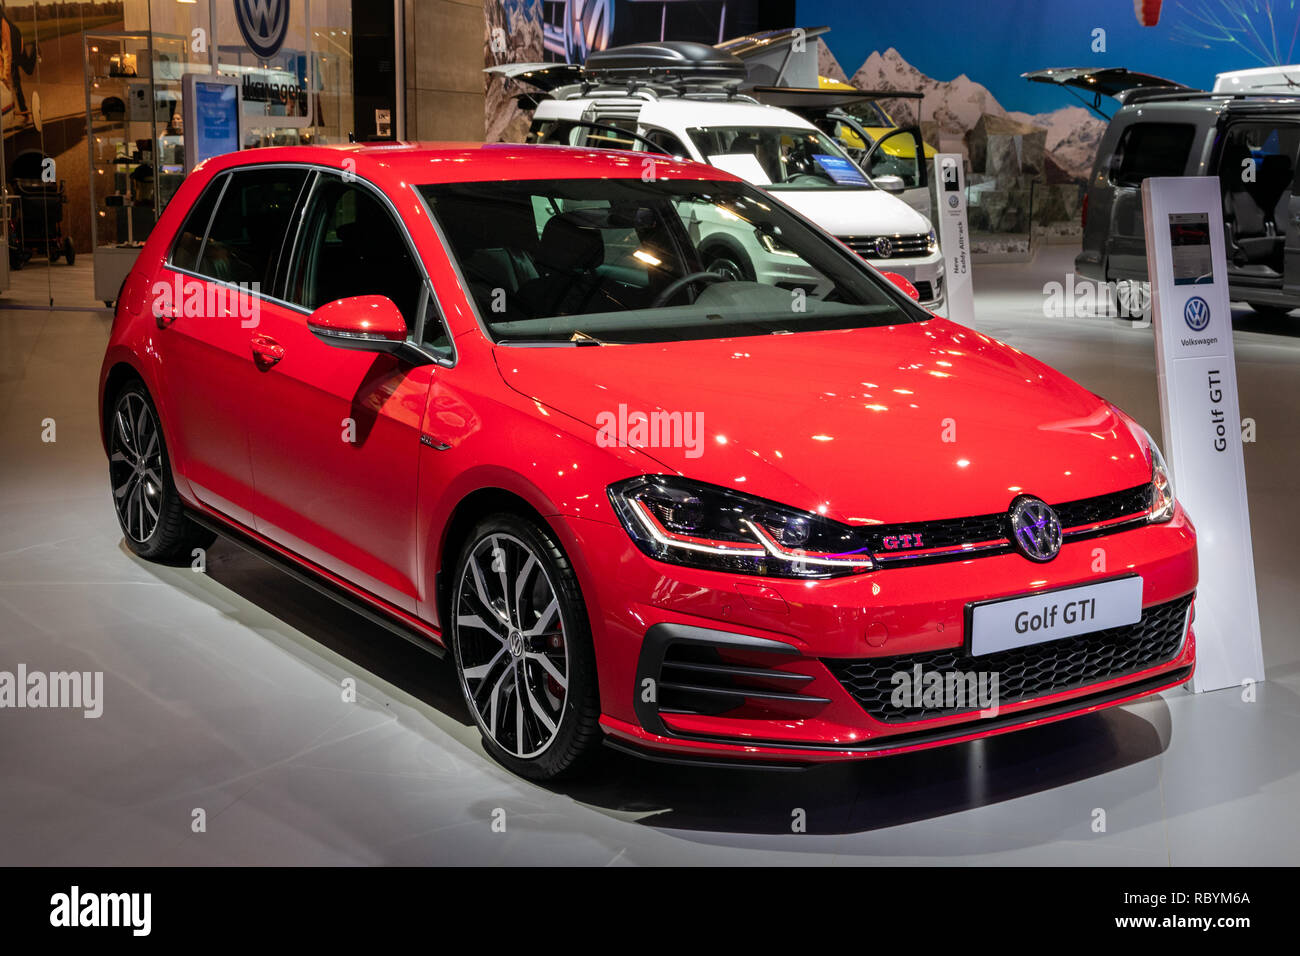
(801, 664)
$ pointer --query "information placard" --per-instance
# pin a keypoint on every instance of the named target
(954, 236)
(213, 117)
(1201, 419)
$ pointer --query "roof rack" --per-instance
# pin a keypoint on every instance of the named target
(1165, 95)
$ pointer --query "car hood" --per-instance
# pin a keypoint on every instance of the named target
(855, 212)
(899, 423)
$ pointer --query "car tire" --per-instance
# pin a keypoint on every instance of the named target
(1269, 311)
(530, 687)
(149, 508)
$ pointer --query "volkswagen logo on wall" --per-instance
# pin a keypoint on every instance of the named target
(1196, 313)
(1035, 529)
(264, 24)
(884, 247)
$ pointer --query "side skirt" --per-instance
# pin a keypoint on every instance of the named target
(326, 584)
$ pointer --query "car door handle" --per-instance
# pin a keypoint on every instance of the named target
(165, 317)
(266, 351)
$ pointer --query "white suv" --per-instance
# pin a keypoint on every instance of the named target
(772, 148)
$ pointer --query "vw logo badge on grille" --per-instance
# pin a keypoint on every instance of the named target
(1035, 529)
(884, 247)
(1196, 313)
(264, 24)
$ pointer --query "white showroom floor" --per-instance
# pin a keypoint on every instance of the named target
(222, 689)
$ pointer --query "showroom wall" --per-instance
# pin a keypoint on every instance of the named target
(444, 69)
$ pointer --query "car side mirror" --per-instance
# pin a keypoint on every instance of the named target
(890, 184)
(368, 323)
(903, 284)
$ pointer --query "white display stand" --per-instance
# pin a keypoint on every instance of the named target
(1201, 419)
(954, 235)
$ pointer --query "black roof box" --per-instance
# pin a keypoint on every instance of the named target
(669, 60)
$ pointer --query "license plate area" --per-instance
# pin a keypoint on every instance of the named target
(1004, 624)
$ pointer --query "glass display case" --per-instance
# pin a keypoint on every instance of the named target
(133, 125)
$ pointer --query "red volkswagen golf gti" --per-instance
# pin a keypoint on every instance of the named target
(532, 405)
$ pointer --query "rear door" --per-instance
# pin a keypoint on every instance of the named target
(336, 444)
(218, 274)
(1144, 149)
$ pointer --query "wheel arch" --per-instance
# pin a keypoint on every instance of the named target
(467, 512)
(115, 379)
(733, 246)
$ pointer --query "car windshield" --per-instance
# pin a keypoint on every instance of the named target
(777, 157)
(594, 261)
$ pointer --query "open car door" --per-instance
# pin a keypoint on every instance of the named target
(1116, 82)
(894, 160)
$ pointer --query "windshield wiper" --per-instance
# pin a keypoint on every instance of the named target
(580, 337)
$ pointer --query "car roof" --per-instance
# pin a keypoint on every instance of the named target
(397, 165)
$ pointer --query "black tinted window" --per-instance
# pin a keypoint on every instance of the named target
(624, 260)
(1151, 149)
(351, 246)
(185, 254)
(250, 225)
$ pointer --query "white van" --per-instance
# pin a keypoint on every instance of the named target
(770, 147)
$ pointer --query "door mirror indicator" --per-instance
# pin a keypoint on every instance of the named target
(368, 323)
(903, 283)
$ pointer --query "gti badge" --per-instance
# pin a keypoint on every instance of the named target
(1196, 313)
(884, 247)
(1035, 529)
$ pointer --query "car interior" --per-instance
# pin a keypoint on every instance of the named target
(1257, 170)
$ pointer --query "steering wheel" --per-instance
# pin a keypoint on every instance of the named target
(678, 284)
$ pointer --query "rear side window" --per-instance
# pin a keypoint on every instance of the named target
(1151, 149)
(185, 253)
(248, 229)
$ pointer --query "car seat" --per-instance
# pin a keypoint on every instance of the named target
(570, 252)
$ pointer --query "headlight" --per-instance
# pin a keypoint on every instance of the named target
(931, 242)
(772, 244)
(704, 526)
(1162, 485)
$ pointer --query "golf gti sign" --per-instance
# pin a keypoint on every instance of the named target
(1200, 416)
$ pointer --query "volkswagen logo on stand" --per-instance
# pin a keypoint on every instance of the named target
(1196, 313)
(264, 24)
(884, 247)
(1035, 529)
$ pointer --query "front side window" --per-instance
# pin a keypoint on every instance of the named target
(781, 158)
(352, 246)
(244, 241)
(621, 260)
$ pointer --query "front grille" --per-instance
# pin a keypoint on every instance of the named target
(899, 246)
(1025, 672)
(918, 542)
